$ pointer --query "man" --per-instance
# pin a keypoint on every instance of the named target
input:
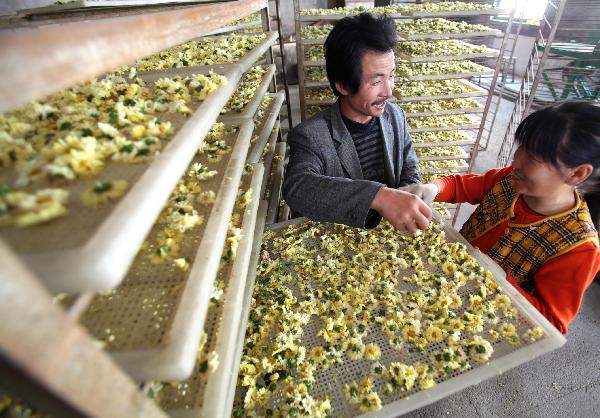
(347, 162)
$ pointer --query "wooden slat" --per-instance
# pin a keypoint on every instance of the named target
(81, 5)
(267, 159)
(317, 84)
(227, 29)
(314, 18)
(313, 41)
(430, 77)
(443, 170)
(276, 183)
(271, 122)
(466, 141)
(490, 53)
(445, 112)
(48, 346)
(462, 155)
(234, 314)
(39, 61)
(250, 281)
(443, 144)
(458, 13)
(463, 35)
(445, 128)
(475, 91)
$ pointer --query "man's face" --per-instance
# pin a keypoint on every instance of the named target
(375, 88)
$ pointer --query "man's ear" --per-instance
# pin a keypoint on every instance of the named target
(579, 174)
(340, 87)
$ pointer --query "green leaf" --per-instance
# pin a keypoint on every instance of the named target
(101, 187)
(142, 151)
(127, 148)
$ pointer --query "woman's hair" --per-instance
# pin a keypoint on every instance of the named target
(567, 133)
(347, 42)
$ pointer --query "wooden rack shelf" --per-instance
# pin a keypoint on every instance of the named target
(38, 61)
(56, 52)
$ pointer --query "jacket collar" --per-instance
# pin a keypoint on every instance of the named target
(344, 144)
(347, 151)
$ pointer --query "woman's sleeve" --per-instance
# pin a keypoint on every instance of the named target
(469, 188)
(561, 282)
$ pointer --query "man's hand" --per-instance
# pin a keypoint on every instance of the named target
(426, 191)
(404, 210)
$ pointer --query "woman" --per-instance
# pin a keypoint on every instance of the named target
(538, 219)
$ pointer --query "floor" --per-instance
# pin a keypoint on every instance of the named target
(563, 383)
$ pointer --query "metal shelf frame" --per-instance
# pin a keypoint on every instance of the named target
(561, 64)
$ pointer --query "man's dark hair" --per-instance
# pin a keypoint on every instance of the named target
(348, 41)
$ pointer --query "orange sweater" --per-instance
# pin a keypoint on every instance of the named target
(560, 282)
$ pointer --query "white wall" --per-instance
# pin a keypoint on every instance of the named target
(522, 52)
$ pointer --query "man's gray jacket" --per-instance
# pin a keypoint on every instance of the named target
(324, 179)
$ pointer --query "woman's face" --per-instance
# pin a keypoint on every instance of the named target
(534, 177)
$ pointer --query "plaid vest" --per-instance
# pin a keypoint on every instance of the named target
(524, 248)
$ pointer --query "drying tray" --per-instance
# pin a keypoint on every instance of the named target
(330, 382)
(461, 155)
(446, 213)
(462, 35)
(473, 91)
(314, 18)
(244, 63)
(267, 125)
(483, 73)
(275, 183)
(446, 112)
(249, 59)
(461, 168)
(156, 315)
(466, 126)
(490, 53)
(250, 109)
(458, 13)
(91, 249)
(187, 395)
(468, 140)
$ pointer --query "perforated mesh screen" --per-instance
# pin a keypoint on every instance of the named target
(137, 314)
(189, 393)
(329, 382)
